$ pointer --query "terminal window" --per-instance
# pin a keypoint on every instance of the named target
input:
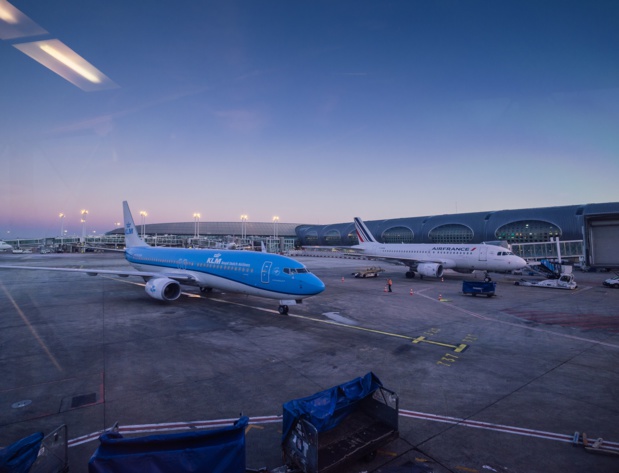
(451, 234)
(398, 235)
(528, 231)
(352, 239)
(333, 237)
(311, 238)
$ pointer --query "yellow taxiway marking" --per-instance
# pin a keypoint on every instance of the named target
(253, 426)
(32, 329)
(387, 453)
(457, 348)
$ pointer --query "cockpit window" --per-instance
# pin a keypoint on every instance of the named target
(295, 270)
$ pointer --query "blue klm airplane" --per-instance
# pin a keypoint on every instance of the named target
(246, 272)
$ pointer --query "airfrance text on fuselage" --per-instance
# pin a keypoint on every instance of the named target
(448, 248)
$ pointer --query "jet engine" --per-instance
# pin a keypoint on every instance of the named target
(434, 270)
(163, 289)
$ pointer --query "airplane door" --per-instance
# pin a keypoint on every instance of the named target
(483, 253)
(266, 271)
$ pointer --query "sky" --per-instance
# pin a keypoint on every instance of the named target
(312, 111)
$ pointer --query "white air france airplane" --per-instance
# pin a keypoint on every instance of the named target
(247, 272)
(429, 259)
(4, 246)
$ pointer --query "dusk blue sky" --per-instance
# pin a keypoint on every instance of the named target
(316, 112)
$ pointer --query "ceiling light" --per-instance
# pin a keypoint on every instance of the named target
(70, 63)
(61, 59)
(14, 24)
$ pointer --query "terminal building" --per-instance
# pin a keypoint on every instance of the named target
(277, 237)
(586, 234)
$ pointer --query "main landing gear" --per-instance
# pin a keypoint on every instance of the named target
(283, 309)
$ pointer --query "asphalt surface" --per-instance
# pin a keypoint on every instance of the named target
(495, 384)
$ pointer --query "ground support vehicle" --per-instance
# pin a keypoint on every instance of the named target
(342, 424)
(565, 281)
(371, 272)
(486, 288)
(612, 282)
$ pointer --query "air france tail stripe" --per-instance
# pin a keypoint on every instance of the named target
(362, 232)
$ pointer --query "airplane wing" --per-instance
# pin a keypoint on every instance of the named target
(181, 277)
(447, 263)
(348, 250)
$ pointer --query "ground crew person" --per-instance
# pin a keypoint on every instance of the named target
(389, 282)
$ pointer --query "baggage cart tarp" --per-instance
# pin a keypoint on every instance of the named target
(20, 456)
(326, 409)
(214, 451)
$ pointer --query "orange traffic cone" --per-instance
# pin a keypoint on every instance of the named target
(342, 278)
(385, 289)
(440, 297)
(411, 291)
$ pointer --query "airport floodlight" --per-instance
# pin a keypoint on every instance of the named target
(61, 217)
(275, 222)
(143, 214)
(244, 226)
(196, 230)
(83, 222)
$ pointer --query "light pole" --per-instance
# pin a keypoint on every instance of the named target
(116, 224)
(143, 214)
(243, 227)
(61, 217)
(196, 232)
(275, 222)
(83, 221)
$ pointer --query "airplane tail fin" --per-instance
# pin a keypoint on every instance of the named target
(132, 238)
(364, 235)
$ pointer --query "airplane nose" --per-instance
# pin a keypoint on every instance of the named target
(315, 286)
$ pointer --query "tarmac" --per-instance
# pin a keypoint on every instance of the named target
(496, 384)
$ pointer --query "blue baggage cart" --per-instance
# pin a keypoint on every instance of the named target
(342, 424)
(210, 451)
(486, 288)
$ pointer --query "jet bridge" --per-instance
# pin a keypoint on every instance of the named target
(601, 234)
